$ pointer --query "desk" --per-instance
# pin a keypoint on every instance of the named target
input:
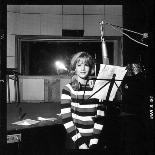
(39, 139)
(43, 137)
(30, 111)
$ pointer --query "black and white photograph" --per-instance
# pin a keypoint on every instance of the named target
(77, 77)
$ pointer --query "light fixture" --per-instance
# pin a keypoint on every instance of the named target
(60, 65)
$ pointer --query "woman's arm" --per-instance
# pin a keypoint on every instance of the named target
(68, 120)
(98, 124)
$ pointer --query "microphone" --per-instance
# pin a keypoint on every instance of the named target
(104, 49)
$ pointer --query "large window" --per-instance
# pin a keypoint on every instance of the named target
(37, 55)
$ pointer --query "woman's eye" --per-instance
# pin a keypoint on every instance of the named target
(86, 65)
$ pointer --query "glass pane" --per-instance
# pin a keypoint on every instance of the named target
(38, 58)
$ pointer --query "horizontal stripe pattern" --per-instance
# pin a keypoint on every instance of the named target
(93, 141)
(65, 97)
(98, 126)
(79, 113)
(91, 126)
(65, 110)
(100, 113)
(68, 125)
(71, 130)
(75, 137)
(85, 118)
(84, 114)
(85, 130)
(77, 121)
(87, 106)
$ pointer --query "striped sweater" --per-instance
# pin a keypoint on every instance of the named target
(80, 115)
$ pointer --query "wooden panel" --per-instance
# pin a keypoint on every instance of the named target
(11, 22)
(29, 24)
(54, 90)
(41, 88)
(73, 22)
(33, 89)
(10, 45)
(113, 14)
(115, 20)
(91, 25)
(50, 9)
(94, 9)
(113, 10)
(11, 62)
(51, 24)
(73, 9)
(13, 8)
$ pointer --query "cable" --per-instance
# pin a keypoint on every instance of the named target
(145, 35)
(129, 36)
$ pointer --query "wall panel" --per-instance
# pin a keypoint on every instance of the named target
(33, 89)
(11, 22)
(11, 62)
(73, 22)
(94, 9)
(116, 10)
(115, 20)
(13, 8)
(29, 24)
(92, 25)
(72, 9)
(51, 24)
(41, 9)
(10, 45)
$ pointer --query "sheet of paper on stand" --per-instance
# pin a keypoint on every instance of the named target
(26, 122)
(107, 72)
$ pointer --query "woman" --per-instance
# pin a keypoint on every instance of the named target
(81, 116)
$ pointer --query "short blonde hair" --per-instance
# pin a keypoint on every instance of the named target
(88, 60)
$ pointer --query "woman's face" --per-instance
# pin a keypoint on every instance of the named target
(82, 68)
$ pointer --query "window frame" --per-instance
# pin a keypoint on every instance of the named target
(117, 40)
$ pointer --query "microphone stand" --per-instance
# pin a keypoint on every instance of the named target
(110, 87)
(116, 27)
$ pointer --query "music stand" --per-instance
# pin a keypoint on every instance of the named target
(112, 82)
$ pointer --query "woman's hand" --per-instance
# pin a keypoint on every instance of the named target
(91, 83)
(83, 146)
(101, 100)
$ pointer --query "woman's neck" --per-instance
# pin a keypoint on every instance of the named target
(81, 80)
